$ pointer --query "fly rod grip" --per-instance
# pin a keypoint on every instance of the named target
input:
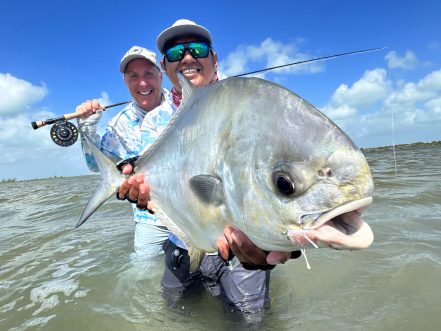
(39, 124)
(71, 116)
(76, 115)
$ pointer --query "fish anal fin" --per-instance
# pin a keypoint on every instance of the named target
(171, 226)
(208, 189)
(196, 256)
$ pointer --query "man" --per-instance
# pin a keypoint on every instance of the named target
(187, 48)
(131, 131)
(136, 189)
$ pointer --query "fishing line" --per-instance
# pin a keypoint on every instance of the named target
(313, 60)
(307, 238)
(300, 244)
(303, 251)
(393, 119)
(64, 133)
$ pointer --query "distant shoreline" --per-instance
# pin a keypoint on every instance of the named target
(13, 180)
(401, 146)
(367, 149)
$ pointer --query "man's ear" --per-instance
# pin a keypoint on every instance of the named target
(163, 64)
(124, 79)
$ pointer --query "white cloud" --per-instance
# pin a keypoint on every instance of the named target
(340, 112)
(269, 53)
(368, 90)
(434, 105)
(28, 153)
(17, 95)
(413, 109)
(408, 61)
(104, 99)
(427, 88)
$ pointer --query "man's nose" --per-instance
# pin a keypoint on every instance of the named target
(187, 55)
(143, 81)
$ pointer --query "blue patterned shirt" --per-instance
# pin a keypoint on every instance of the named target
(128, 134)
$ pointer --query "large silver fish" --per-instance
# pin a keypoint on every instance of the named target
(250, 153)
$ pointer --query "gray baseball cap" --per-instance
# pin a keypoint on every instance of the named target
(137, 52)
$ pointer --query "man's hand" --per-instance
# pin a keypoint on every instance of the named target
(135, 189)
(88, 108)
(248, 253)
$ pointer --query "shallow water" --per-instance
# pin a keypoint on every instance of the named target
(55, 277)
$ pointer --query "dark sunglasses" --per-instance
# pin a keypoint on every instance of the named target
(197, 49)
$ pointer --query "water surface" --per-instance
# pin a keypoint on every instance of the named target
(55, 277)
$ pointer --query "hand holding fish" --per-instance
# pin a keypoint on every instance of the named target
(135, 189)
(248, 253)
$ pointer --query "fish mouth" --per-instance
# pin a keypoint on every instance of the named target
(339, 228)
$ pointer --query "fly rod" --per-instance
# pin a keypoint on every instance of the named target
(65, 133)
(39, 124)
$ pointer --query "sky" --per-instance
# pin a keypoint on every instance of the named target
(56, 54)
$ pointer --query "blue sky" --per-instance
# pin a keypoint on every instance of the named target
(55, 54)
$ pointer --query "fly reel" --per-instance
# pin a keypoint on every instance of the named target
(64, 133)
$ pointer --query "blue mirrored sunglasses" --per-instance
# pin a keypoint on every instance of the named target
(197, 49)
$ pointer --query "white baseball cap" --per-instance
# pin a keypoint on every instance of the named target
(182, 28)
(137, 52)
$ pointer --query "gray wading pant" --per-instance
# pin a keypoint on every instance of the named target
(239, 288)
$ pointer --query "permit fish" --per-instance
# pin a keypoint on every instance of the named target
(250, 153)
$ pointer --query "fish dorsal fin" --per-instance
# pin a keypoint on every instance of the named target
(208, 189)
(186, 86)
(187, 90)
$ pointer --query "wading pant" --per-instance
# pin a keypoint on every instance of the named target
(239, 289)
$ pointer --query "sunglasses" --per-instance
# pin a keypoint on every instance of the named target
(197, 49)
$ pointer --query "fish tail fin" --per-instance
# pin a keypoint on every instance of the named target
(109, 181)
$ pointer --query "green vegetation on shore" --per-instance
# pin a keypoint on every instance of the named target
(402, 146)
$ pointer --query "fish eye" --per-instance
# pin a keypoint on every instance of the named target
(283, 183)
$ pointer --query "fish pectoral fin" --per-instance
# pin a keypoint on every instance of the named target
(196, 256)
(208, 189)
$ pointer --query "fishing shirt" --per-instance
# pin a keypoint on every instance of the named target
(127, 135)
